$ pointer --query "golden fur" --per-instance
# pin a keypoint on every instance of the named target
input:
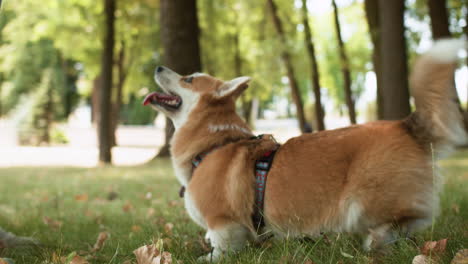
(364, 178)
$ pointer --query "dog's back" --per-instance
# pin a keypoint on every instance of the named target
(373, 175)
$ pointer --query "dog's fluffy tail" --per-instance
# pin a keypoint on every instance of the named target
(437, 119)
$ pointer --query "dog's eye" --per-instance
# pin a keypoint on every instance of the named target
(188, 80)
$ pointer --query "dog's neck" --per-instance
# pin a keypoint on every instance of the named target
(203, 132)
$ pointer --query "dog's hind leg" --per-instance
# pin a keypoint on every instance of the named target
(228, 238)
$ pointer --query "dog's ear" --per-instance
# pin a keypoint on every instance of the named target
(234, 87)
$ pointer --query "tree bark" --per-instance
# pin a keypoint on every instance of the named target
(394, 68)
(314, 75)
(105, 124)
(372, 14)
(121, 77)
(180, 39)
(439, 19)
(345, 68)
(286, 58)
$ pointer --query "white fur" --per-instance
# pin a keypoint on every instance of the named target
(230, 86)
(447, 50)
(183, 173)
(223, 127)
(352, 216)
(193, 211)
(228, 238)
(168, 80)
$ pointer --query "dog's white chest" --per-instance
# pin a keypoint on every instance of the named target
(193, 211)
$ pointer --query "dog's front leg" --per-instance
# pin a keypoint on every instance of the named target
(227, 238)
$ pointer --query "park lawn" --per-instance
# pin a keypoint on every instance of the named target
(66, 209)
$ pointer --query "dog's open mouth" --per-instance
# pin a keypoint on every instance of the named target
(168, 101)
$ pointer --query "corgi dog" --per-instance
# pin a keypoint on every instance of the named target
(374, 179)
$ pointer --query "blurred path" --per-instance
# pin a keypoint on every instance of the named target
(136, 144)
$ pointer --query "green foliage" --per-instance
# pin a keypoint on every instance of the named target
(134, 114)
(36, 125)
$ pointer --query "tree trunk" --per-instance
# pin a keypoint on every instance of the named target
(121, 77)
(286, 58)
(95, 95)
(104, 125)
(246, 104)
(345, 68)
(439, 19)
(372, 14)
(315, 78)
(180, 39)
(393, 56)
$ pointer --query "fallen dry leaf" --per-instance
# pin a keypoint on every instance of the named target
(461, 257)
(136, 228)
(422, 259)
(146, 254)
(78, 260)
(81, 197)
(149, 254)
(150, 212)
(431, 247)
(51, 222)
(6, 261)
(102, 237)
(127, 207)
(168, 228)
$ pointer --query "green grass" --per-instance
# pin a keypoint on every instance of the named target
(147, 199)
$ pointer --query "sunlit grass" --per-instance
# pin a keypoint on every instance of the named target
(134, 204)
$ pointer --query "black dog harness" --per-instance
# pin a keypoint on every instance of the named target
(261, 169)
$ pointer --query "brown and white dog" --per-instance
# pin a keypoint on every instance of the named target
(369, 179)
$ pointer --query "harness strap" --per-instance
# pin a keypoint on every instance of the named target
(262, 167)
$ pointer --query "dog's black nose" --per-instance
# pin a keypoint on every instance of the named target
(159, 69)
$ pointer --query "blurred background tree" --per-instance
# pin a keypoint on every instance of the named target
(310, 60)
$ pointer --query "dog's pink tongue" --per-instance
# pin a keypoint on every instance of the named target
(149, 97)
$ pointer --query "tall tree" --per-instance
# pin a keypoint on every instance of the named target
(394, 68)
(372, 15)
(344, 61)
(286, 58)
(105, 117)
(315, 77)
(439, 19)
(179, 34)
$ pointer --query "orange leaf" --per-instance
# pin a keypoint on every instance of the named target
(81, 197)
(136, 228)
(168, 228)
(431, 247)
(78, 260)
(51, 222)
(127, 207)
(102, 237)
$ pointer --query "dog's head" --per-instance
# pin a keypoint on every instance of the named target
(183, 93)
